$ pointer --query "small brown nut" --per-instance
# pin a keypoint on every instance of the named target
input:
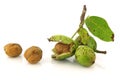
(62, 48)
(33, 54)
(13, 49)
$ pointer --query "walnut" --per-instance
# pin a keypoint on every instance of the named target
(33, 54)
(13, 49)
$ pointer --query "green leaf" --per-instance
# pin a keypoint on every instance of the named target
(99, 28)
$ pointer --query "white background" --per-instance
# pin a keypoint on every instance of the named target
(31, 22)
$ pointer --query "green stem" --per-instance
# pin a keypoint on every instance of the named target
(81, 19)
(103, 52)
(74, 34)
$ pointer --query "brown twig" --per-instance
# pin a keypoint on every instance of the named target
(81, 19)
(83, 14)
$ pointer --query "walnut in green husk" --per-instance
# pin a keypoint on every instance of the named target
(62, 48)
(65, 47)
(90, 42)
(85, 56)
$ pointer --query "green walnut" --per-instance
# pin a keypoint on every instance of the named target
(92, 43)
(78, 40)
(85, 56)
(64, 48)
(85, 39)
(84, 36)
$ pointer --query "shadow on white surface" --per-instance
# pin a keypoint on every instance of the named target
(70, 63)
(14, 59)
